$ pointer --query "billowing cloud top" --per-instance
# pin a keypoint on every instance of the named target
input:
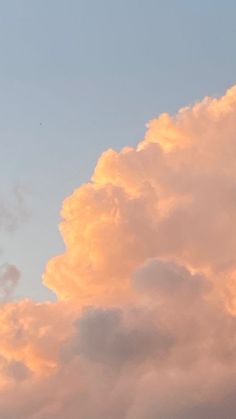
(144, 326)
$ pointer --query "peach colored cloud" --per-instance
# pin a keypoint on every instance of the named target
(173, 202)
(144, 326)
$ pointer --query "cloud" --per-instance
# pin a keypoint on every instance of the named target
(116, 338)
(144, 326)
(13, 211)
(172, 202)
(9, 278)
(169, 280)
(12, 214)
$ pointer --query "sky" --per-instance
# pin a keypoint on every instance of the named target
(79, 77)
(117, 210)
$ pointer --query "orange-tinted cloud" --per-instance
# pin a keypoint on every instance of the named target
(144, 325)
(159, 200)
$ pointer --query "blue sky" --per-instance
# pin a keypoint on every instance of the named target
(78, 77)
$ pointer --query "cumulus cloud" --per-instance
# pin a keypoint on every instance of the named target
(172, 197)
(144, 326)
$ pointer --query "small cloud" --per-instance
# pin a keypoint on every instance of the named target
(13, 211)
(9, 278)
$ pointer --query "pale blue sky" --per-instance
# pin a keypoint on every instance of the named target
(93, 73)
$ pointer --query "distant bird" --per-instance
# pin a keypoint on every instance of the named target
(40, 123)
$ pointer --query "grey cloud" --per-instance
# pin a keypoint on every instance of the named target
(13, 210)
(9, 278)
(169, 280)
(117, 337)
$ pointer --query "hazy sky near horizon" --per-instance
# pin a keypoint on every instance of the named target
(78, 77)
